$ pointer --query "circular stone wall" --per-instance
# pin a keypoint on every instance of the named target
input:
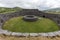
(42, 25)
(30, 18)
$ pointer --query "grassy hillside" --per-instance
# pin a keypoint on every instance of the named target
(53, 11)
(19, 25)
(9, 10)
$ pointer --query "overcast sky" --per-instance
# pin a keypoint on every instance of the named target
(37, 4)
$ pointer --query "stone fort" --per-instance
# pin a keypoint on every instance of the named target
(36, 12)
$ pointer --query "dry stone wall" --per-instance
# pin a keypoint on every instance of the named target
(5, 17)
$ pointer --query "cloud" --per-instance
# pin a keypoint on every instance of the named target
(1, 5)
(35, 4)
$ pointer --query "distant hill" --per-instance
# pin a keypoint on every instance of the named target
(9, 10)
(54, 11)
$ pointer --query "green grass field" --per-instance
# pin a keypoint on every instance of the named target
(4, 10)
(53, 12)
(42, 25)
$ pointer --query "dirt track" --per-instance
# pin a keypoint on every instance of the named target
(2, 37)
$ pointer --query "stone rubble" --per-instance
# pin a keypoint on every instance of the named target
(34, 34)
(51, 34)
(43, 34)
(16, 34)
